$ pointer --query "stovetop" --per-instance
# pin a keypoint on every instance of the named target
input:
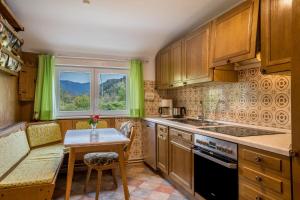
(239, 131)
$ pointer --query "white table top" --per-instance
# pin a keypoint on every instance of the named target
(104, 136)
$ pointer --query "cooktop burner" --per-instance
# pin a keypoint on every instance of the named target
(239, 131)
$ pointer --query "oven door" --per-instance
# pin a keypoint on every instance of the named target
(216, 177)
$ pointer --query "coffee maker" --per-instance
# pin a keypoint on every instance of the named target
(165, 108)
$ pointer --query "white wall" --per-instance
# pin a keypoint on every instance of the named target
(149, 69)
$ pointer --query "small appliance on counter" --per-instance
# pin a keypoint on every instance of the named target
(179, 112)
(165, 108)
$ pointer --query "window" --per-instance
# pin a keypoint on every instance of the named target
(86, 91)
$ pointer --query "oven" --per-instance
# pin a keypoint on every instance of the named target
(215, 168)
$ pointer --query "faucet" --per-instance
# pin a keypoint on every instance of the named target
(201, 116)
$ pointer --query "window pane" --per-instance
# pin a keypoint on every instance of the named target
(75, 91)
(112, 92)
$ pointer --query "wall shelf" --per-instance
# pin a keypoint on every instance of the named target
(8, 71)
(9, 16)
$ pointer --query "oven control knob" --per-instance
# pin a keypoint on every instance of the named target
(229, 151)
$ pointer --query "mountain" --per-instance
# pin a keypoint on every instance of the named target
(75, 88)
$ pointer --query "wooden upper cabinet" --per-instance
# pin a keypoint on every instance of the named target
(234, 34)
(176, 64)
(27, 78)
(165, 66)
(196, 56)
(157, 72)
(276, 35)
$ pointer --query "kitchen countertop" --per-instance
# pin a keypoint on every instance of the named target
(280, 143)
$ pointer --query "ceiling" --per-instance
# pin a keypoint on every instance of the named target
(129, 28)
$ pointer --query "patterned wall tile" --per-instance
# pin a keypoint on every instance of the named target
(256, 99)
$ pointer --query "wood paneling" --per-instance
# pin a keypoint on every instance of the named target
(296, 98)
(234, 34)
(276, 35)
(196, 56)
(9, 106)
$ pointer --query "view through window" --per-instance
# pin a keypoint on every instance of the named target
(82, 91)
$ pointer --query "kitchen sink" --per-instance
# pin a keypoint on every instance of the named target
(196, 122)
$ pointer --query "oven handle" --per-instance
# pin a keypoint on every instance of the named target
(225, 164)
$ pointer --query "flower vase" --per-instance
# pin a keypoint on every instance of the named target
(93, 126)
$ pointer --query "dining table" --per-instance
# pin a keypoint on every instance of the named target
(98, 140)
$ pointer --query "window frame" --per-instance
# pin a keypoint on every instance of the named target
(94, 91)
(97, 73)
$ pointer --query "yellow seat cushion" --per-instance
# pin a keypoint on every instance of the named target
(39, 167)
(85, 124)
(13, 148)
(41, 134)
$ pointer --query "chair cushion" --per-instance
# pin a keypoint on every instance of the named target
(13, 148)
(101, 158)
(40, 134)
(39, 167)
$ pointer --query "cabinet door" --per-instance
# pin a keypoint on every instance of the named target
(176, 64)
(157, 72)
(162, 148)
(27, 80)
(165, 62)
(234, 34)
(276, 35)
(196, 56)
(180, 165)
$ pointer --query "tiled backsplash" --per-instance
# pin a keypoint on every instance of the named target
(257, 99)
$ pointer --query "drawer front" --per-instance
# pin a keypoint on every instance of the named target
(263, 180)
(174, 133)
(265, 162)
(248, 192)
(162, 130)
(262, 160)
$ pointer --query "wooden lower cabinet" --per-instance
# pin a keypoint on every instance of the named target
(181, 159)
(263, 175)
(162, 148)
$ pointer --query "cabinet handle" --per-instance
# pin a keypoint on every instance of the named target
(184, 83)
(258, 159)
(179, 135)
(258, 198)
(228, 61)
(258, 179)
(162, 129)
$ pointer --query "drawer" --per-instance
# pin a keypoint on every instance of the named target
(162, 129)
(174, 133)
(263, 180)
(265, 162)
(248, 192)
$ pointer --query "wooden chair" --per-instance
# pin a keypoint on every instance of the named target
(108, 160)
(85, 124)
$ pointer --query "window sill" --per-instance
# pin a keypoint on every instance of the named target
(101, 116)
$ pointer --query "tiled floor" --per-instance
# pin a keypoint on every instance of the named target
(143, 184)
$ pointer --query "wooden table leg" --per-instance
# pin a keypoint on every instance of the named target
(123, 171)
(70, 173)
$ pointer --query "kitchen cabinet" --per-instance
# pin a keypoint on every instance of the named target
(196, 56)
(234, 34)
(162, 148)
(163, 70)
(27, 77)
(176, 69)
(276, 35)
(181, 158)
(263, 175)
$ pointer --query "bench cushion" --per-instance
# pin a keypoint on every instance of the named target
(41, 134)
(13, 148)
(39, 167)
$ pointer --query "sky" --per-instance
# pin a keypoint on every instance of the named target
(84, 77)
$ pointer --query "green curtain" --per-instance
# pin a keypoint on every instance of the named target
(136, 89)
(43, 102)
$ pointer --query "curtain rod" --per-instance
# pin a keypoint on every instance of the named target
(100, 59)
